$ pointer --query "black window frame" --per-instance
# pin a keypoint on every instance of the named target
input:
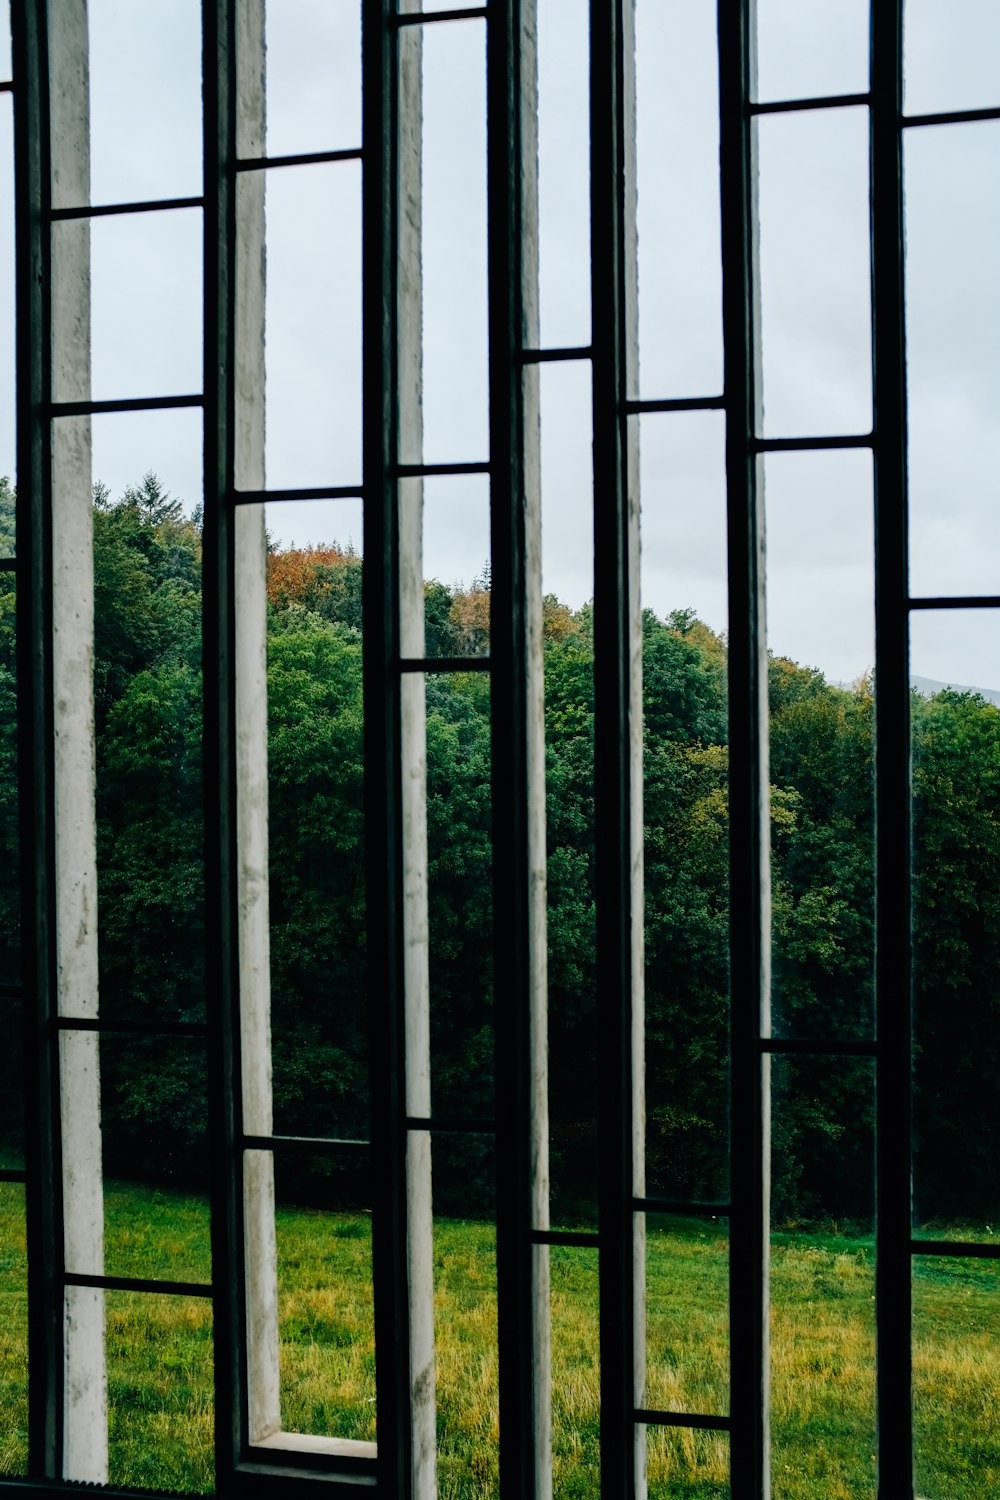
(616, 405)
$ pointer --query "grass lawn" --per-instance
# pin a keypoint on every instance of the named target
(822, 1375)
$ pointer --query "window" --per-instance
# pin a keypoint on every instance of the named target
(427, 429)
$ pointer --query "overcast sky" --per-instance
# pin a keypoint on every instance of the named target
(814, 261)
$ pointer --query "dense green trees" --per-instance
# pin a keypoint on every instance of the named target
(148, 705)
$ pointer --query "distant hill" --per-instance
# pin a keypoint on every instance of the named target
(926, 686)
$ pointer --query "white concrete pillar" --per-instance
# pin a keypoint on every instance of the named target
(85, 1433)
(636, 835)
(251, 739)
(416, 973)
(538, 998)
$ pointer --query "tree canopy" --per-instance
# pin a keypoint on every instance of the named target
(147, 685)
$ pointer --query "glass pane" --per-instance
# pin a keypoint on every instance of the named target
(313, 76)
(564, 174)
(455, 399)
(145, 100)
(10, 863)
(687, 1314)
(465, 1315)
(811, 48)
(568, 587)
(155, 1147)
(127, 445)
(460, 894)
(147, 699)
(455, 513)
(953, 357)
(13, 1331)
(146, 287)
(160, 1392)
(950, 58)
(12, 1087)
(956, 917)
(681, 1461)
(685, 799)
(313, 320)
(576, 1372)
(7, 410)
(956, 1377)
(683, 483)
(680, 265)
(814, 271)
(823, 1427)
(326, 1314)
(6, 65)
(821, 607)
(319, 1013)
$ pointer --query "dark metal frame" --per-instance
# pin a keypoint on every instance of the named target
(614, 405)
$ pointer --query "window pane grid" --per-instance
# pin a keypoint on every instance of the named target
(395, 671)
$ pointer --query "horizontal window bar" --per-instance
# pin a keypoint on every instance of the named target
(7, 565)
(323, 492)
(957, 601)
(817, 101)
(299, 159)
(422, 17)
(676, 403)
(808, 444)
(459, 1124)
(565, 1237)
(301, 1143)
(105, 210)
(807, 1047)
(280, 1457)
(553, 356)
(137, 403)
(431, 471)
(444, 664)
(682, 1419)
(13, 1174)
(139, 1284)
(11, 991)
(7, 86)
(678, 1206)
(131, 1028)
(964, 1249)
(951, 117)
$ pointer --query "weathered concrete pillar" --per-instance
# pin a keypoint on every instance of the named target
(85, 1434)
(636, 832)
(420, 1250)
(251, 740)
(538, 996)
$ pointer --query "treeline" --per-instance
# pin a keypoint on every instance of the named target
(147, 680)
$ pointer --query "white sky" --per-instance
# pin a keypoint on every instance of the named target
(814, 266)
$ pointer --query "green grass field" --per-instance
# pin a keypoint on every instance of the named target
(822, 1376)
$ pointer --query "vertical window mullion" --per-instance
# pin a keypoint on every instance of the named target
(892, 763)
(617, 742)
(36, 737)
(517, 737)
(749, 831)
(218, 637)
(383, 746)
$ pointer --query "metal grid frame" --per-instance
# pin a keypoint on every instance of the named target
(522, 1235)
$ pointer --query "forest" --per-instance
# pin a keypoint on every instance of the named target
(147, 685)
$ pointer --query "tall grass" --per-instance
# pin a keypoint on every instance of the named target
(822, 1370)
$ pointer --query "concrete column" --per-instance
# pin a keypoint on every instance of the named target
(85, 1434)
(251, 740)
(539, 1024)
(420, 1219)
(635, 746)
